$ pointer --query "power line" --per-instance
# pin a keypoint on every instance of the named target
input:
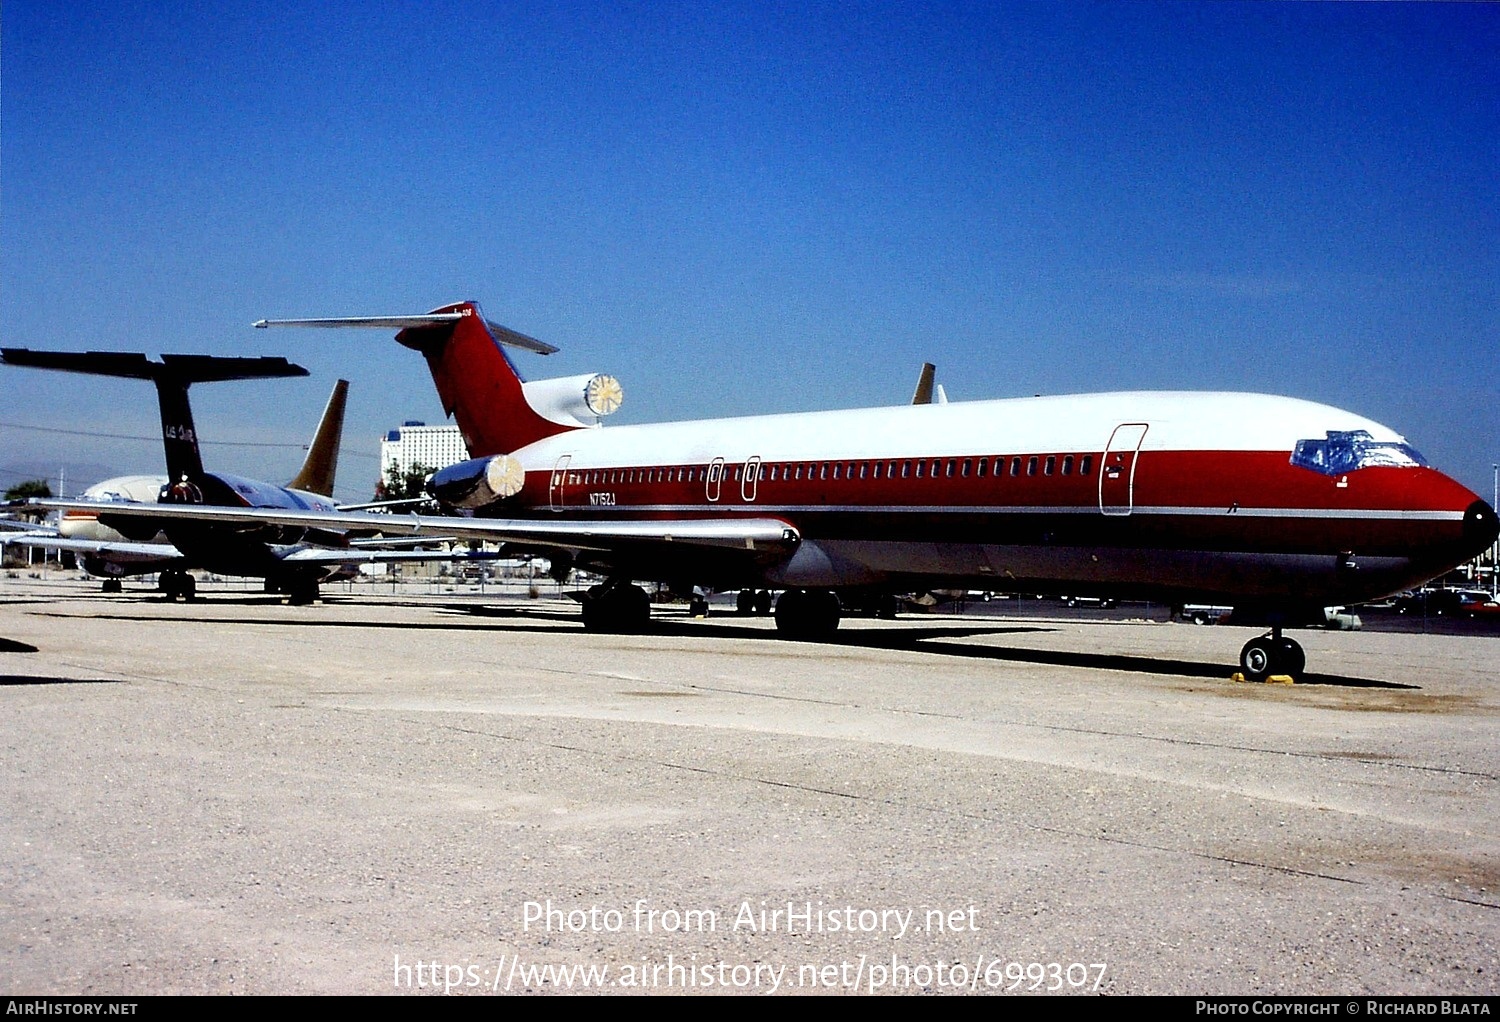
(154, 439)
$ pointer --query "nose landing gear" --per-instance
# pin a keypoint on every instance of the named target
(1272, 654)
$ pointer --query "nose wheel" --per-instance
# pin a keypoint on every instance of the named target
(1272, 654)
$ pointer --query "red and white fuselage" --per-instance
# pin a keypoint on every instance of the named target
(1174, 494)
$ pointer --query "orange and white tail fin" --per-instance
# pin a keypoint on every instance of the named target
(321, 465)
(478, 385)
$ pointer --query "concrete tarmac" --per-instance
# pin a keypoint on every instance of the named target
(407, 794)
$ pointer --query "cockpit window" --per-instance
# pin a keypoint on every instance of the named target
(1345, 451)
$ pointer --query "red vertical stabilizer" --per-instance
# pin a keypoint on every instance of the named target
(479, 386)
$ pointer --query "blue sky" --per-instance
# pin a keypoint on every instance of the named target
(754, 207)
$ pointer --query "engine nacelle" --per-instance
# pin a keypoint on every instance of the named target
(575, 400)
(475, 483)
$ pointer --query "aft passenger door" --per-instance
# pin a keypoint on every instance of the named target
(1117, 473)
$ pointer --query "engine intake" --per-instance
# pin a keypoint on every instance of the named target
(475, 483)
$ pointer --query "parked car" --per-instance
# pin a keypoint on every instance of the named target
(1341, 619)
(1102, 602)
(1446, 602)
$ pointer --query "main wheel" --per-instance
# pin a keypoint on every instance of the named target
(744, 603)
(790, 612)
(807, 614)
(763, 602)
(173, 584)
(300, 593)
(617, 608)
(827, 613)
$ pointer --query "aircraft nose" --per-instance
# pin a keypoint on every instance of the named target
(1480, 526)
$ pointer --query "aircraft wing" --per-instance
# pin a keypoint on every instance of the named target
(119, 553)
(558, 532)
(359, 551)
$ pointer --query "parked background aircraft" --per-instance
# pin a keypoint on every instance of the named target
(291, 560)
(1275, 506)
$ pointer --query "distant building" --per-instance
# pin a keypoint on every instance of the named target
(417, 443)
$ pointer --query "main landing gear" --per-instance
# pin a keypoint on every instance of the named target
(616, 606)
(301, 592)
(807, 613)
(173, 584)
(750, 601)
(1272, 654)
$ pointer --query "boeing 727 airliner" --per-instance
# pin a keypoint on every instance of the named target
(1278, 507)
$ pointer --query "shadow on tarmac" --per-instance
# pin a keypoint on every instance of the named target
(10, 680)
(930, 640)
(933, 640)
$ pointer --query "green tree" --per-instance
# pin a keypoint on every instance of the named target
(30, 488)
(399, 485)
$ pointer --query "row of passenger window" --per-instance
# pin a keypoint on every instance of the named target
(933, 468)
(917, 468)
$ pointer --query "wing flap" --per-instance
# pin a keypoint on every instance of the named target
(357, 556)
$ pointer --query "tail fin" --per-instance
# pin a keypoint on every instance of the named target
(475, 378)
(322, 462)
(479, 386)
(172, 376)
(923, 394)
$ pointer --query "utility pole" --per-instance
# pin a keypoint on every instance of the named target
(1495, 548)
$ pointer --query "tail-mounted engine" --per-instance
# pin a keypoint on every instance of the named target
(575, 400)
(475, 483)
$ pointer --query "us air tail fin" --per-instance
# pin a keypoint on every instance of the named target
(478, 385)
(923, 394)
(322, 461)
(172, 376)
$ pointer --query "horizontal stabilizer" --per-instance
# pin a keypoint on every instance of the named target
(136, 366)
(504, 335)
